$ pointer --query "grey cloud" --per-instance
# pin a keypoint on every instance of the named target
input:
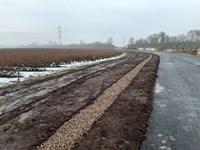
(92, 20)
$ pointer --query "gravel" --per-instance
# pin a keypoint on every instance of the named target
(73, 130)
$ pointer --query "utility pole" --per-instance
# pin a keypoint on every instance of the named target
(59, 35)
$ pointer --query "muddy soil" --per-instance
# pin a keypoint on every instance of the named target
(12, 99)
(123, 125)
(31, 113)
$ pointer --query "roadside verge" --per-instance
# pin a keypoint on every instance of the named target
(74, 129)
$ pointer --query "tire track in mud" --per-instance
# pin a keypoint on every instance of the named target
(16, 101)
(74, 129)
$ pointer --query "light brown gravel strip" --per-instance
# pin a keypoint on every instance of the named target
(74, 129)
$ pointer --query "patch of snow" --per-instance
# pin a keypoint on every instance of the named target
(51, 70)
(6, 81)
(24, 116)
(1, 109)
(164, 141)
(165, 148)
(162, 105)
(159, 88)
(169, 90)
(168, 63)
(172, 138)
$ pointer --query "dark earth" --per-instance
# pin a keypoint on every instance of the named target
(123, 126)
(32, 112)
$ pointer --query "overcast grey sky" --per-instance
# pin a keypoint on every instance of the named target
(26, 21)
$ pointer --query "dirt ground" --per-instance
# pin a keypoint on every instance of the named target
(31, 113)
(123, 126)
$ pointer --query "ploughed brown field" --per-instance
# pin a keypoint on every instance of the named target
(38, 56)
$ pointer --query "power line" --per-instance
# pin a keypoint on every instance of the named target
(59, 35)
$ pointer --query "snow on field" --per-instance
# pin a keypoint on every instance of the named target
(72, 65)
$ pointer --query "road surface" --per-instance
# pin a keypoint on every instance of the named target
(175, 121)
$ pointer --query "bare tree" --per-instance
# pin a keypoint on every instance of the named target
(131, 41)
(162, 41)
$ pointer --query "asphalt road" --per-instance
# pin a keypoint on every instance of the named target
(175, 121)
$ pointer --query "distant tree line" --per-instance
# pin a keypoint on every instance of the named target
(161, 41)
(98, 45)
(108, 44)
